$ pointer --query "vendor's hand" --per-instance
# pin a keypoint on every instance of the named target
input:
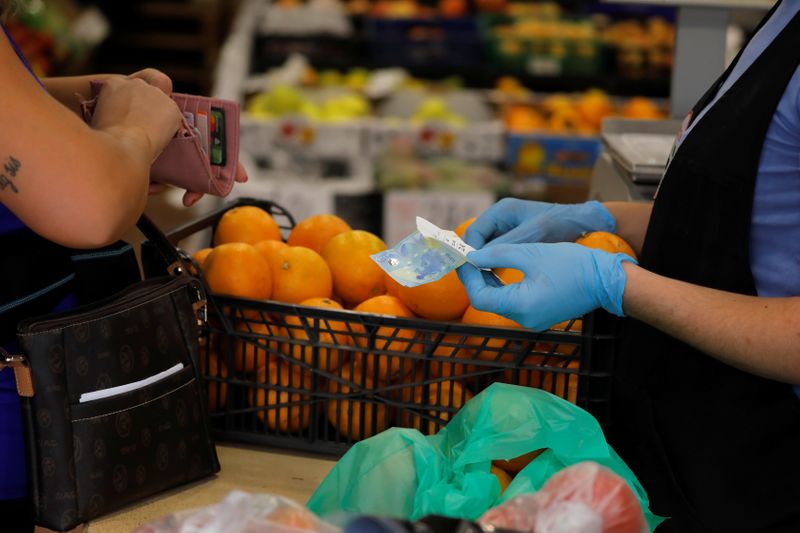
(562, 281)
(512, 221)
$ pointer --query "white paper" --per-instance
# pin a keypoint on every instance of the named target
(453, 241)
(121, 389)
(450, 238)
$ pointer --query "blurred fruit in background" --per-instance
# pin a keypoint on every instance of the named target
(434, 109)
(284, 100)
(579, 114)
(453, 8)
(642, 108)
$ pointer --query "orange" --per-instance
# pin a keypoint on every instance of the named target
(347, 415)
(575, 326)
(502, 477)
(444, 299)
(200, 255)
(238, 269)
(510, 275)
(392, 287)
(286, 418)
(462, 228)
(556, 381)
(609, 242)
(248, 224)
(270, 248)
(330, 332)
(251, 350)
(213, 367)
(315, 231)
(450, 346)
(593, 107)
(523, 119)
(300, 273)
(487, 347)
(356, 276)
(294, 518)
(388, 339)
(441, 395)
(513, 466)
(642, 108)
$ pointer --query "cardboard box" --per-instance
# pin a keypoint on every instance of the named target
(445, 209)
(306, 148)
(557, 159)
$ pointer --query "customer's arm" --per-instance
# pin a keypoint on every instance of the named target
(74, 184)
(758, 335)
(632, 220)
(71, 90)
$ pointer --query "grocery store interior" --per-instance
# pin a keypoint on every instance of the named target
(379, 112)
(389, 107)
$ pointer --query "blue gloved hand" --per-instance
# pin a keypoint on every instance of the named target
(562, 281)
(511, 221)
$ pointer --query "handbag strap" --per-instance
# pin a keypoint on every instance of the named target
(22, 372)
(176, 264)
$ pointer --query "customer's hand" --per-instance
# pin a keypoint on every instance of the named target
(512, 221)
(154, 77)
(191, 197)
(562, 281)
(134, 103)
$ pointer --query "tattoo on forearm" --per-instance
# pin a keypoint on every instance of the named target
(9, 171)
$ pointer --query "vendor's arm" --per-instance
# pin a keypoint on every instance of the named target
(632, 220)
(71, 90)
(755, 334)
(78, 185)
(566, 280)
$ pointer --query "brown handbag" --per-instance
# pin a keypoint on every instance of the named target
(112, 402)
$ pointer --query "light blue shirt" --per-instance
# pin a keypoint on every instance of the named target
(775, 230)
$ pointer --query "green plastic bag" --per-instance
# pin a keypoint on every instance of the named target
(404, 474)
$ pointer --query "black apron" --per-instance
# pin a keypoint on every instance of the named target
(717, 449)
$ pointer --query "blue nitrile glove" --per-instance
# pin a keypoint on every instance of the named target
(511, 221)
(562, 281)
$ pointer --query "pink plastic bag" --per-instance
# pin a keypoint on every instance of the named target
(583, 498)
(241, 512)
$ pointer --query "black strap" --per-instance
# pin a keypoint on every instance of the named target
(172, 258)
(711, 93)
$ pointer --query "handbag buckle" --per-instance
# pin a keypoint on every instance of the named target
(22, 372)
(176, 268)
(200, 306)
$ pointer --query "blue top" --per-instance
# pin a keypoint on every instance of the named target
(775, 230)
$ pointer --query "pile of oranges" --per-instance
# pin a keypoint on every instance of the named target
(304, 367)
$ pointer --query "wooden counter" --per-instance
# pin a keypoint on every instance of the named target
(245, 468)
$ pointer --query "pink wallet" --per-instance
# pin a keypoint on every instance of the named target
(204, 154)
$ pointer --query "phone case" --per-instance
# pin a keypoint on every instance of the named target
(183, 163)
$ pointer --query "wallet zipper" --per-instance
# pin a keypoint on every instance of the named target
(120, 301)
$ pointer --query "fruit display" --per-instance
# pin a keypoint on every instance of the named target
(340, 358)
(399, 168)
(543, 40)
(576, 114)
(49, 37)
(287, 101)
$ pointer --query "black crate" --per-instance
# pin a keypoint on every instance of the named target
(440, 44)
(277, 373)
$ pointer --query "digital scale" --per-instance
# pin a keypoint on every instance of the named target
(633, 159)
